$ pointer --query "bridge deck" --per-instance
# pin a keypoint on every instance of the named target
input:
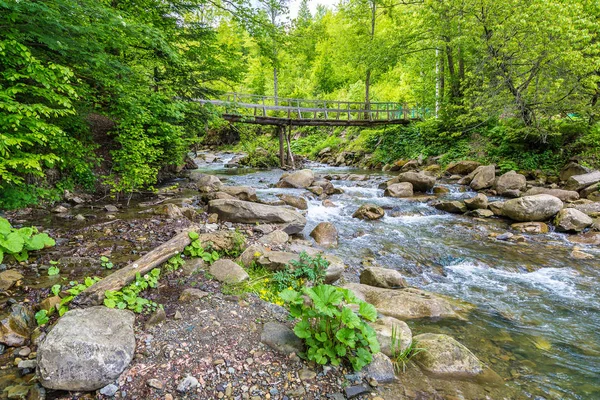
(265, 110)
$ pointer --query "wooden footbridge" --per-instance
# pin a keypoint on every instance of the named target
(278, 111)
(284, 112)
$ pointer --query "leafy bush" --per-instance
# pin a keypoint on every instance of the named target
(331, 330)
(19, 242)
(296, 275)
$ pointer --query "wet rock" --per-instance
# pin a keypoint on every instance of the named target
(87, 349)
(564, 195)
(578, 182)
(317, 190)
(217, 196)
(60, 210)
(369, 212)
(480, 201)
(539, 207)
(245, 193)
(483, 177)
(479, 213)
(510, 184)
(590, 190)
(191, 294)
(505, 236)
(16, 328)
(589, 238)
(530, 227)
(325, 234)
(205, 182)
(571, 169)
(19, 391)
(275, 238)
(325, 185)
(170, 210)
(382, 277)
(27, 364)
(419, 181)
(250, 213)
(462, 167)
(381, 369)
(578, 254)
(440, 190)
(299, 179)
(444, 357)
(328, 203)
(281, 338)
(572, 220)
(110, 208)
(9, 278)
(227, 271)
(187, 384)
(294, 201)
(453, 206)
(398, 190)
(496, 207)
(410, 303)
(384, 326)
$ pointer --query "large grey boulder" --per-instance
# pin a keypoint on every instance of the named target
(444, 357)
(572, 220)
(385, 327)
(402, 189)
(595, 188)
(564, 195)
(479, 202)
(87, 349)
(462, 167)
(299, 179)
(483, 177)
(451, 206)
(294, 201)
(510, 184)
(419, 181)
(572, 169)
(380, 369)
(382, 277)
(578, 182)
(245, 193)
(249, 213)
(227, 271)
(205, 182)
(540, 207)
(409, 303)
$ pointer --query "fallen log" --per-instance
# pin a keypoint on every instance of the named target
(94, 295)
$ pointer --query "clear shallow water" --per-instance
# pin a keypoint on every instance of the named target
(538, 318)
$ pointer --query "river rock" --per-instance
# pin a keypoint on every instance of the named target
(496, 207)
(87, 349)
(590, 208)
(444, 357)
(227, 271)
(251, 254)
(510, 184)
(571, 169)
(325, 234)
(16, 328)
(299, 179)
(483, 177)
(316, 190)
(250, 213)
(245, 193)
(380, 369)
(572, 220)
(274, 238)
(578, 182)
(384, 326)
(439, 190)
(335, 269)
(382, 277)
(8, 278)
(50, 302)
(564, 195)
(539, 207)
(328, 203)
(403, 189)
(294, 201)
(205, 182)
(451, 206)
(169, 210)
(369, 212)
(409, 303)
(480, 213)
(480, 201)
(281, 338)
(530, 227)
(276, 260)
(462, 167)
(419, 181)
(593, 189)
(588, 238)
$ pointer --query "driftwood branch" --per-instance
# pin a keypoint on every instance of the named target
(94, 295)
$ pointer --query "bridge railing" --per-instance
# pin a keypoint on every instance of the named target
(291, 108)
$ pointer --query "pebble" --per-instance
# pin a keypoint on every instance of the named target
(354, 391)
(155, 383)
(24, 352)
(306, 374)
(178, 315)
(187, 383)
(109, 390)
(168, 396)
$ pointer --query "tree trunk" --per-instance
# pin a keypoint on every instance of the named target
(275, 86)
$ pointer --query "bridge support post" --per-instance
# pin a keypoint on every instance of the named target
(290, 156)
(280, 131)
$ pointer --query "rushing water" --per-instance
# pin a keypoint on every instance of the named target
(537, 321)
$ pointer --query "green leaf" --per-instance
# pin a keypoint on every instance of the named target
(193, 235)
(289, 296)
(62, 310)
(350, 319)
(12, 243)
(367, 311)
(5, 227)
(302, 330)
(55, 289)
(52, 271)
(1, 255)
(25, 232)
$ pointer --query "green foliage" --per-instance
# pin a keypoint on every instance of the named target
(260, 283)
(401, 358)
(331, 330)
(106, 263)
(195, 249)
(238, 242)
(41, 317)
(313, 143)
(55, 290)
(174, 263)
(19, 242)
(301, 272)
(53, 271)
(129, 298)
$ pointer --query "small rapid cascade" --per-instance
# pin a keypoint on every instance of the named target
(538, 309)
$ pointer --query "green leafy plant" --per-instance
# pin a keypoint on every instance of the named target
(42, 317)
(331, 330)
(73, 291)
(53, 270)
(174, 263)
(299, 272)
(401, 358)
(106, 263)
(128, 297)
(18, 242)
(55, 289)
(195, 249)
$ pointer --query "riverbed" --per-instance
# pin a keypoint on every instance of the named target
(537, 320)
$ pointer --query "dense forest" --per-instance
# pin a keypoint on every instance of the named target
(94, 94)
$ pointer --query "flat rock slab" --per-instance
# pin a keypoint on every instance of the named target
(281, 338)
(87, 349)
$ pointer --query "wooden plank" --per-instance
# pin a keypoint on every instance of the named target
(311, 122)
